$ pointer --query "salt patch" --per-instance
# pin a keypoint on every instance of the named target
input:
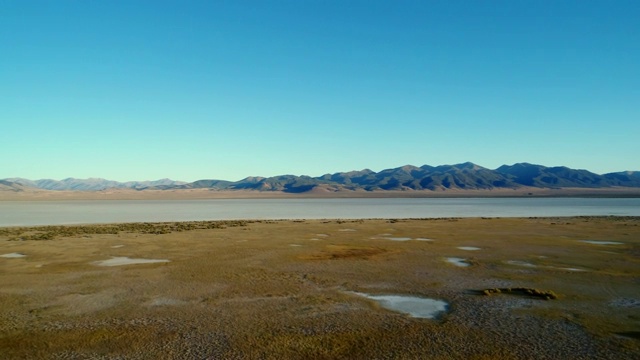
(458, 261)
(118, 261)
(13, 255)
(347, 230)
(116, 246)
(295, 245)
(601, 242)
(468, 248)
(322, 235)
(412, 305)
(625, 302)
(166, 302)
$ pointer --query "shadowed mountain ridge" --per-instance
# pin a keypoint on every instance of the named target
(464, 176)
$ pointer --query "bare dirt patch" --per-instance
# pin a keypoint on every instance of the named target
(335, 252)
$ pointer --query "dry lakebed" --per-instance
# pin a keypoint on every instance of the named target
(461, 288)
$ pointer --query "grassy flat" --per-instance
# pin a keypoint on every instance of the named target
(288, 289)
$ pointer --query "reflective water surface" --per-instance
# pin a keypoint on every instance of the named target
(21, 213)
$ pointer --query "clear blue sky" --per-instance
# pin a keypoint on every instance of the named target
(141, 90)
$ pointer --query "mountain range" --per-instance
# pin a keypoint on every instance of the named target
(91, 184)
(465, 176)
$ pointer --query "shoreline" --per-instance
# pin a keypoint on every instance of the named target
(203, 194)
(213, 224)
(53, 231)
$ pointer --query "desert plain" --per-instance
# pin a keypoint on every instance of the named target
(514, 288)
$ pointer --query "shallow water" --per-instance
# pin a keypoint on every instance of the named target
(468, 248)
(119, 261)
(458, 261)
(403, 238)
(412, 305)
(13, 255)
(572, 269)
(601, 242)
(26, 213)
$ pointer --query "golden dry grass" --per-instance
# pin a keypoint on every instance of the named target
(282, 289)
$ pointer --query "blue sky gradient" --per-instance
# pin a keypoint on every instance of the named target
(141, 90)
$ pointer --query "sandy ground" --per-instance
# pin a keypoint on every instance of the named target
(127, 194)
(289, 290)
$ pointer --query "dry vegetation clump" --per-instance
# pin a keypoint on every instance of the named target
(52, 232)
(542, 294)
(335, 252)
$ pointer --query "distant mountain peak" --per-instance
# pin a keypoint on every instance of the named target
(253, 178)
(92, 184)
(467, 176)
(469, 166)
(409, 168)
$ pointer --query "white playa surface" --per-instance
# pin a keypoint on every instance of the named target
(458, 261)
(119, 261)
(468, 248)
(116, 246)
(601, 242)
(13, 255)
(412, 305)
